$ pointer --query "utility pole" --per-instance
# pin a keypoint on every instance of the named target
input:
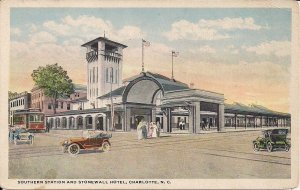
(147, 44)
(174, 54)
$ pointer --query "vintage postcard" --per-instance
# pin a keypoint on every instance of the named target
(149, 94)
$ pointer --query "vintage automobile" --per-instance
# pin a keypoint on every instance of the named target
(272, 139)
(90, 140)
(22, 135)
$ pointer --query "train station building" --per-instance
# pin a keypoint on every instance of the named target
(155, 98)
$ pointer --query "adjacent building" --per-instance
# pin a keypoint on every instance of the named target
(18, 102)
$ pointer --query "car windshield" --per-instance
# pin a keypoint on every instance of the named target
(22, 130)
(90, 134)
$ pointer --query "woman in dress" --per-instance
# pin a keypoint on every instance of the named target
(154, 130)
(140, 131)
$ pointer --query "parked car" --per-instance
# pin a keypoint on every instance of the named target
(90, 140)
(22, 135)
(272, 139)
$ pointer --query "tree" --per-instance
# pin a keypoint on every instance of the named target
(54, 81)
(11, 94)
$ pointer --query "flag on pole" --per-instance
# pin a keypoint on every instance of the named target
(146, 43)
(175, 54)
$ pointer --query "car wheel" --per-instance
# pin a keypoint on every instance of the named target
(269, 147)
(74, 149)
(15, 141)
(105, 146)
(255, 147)
(287, 148)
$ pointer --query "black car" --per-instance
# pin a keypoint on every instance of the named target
(272, 139)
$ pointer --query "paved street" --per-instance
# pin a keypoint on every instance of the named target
(212, 155)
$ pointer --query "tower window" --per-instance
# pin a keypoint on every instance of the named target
(106, 74)
(93, 74)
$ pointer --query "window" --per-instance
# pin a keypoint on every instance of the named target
(116, 76)
(112, 76)
(49, 106)
(62, 105)
(90, 76)
(68, 106)
(56, 105)
(106, 75)
(97, 75)
(93, 74)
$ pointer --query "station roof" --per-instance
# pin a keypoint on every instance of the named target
(103, 39)
(167, 84)
(238, 108)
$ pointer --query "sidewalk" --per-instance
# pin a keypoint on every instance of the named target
(78, 133)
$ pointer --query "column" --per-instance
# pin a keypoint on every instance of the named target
(254, 122)
(75, 123)
(191, 119)
(221, 117)
(165, 122)
(277, 122)
(235, 121)
(94, 122)
(104, 123)
(68, 122)
(169, 120)
(153, 115)
(245, 121)
(84, 122)
(54, 123)
(197, 117)
(127, 119)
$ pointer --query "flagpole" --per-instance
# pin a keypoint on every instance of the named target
(172, 64)
(142, 55)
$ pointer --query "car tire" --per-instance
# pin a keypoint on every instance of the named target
(255, 147)
(287, 148)
(269, 147)
(15, 141)
(74, 149)
(105, 146)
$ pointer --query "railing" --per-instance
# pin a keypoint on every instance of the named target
(91, 56)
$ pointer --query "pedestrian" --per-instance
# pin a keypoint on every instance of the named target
(144, 129)
(158, 128)
(180, 124)
(150, 130)
(140, 131)
(154, 130)
(202, 125)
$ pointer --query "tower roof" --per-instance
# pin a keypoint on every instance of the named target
(105, 40)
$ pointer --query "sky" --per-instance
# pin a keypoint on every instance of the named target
(243, 53)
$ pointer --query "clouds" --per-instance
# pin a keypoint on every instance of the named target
(277, 48)
(204, 49)
(209, 29)
(42, 37)
(88, 27)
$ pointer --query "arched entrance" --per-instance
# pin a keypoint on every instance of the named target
(79, 122)
(99, 122)
(141, 98)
